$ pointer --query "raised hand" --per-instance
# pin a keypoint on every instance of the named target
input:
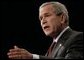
(19, 53)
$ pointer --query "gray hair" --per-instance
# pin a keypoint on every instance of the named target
(59, 9)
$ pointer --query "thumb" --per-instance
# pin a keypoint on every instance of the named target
(16, 47)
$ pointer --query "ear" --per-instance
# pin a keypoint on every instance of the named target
(63, 18)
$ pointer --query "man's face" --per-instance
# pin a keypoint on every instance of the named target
(50, 22)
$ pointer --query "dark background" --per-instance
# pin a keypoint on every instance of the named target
(21, 26)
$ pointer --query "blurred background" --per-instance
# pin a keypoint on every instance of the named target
(21, 25)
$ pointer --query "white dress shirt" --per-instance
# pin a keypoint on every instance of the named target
(35, 56)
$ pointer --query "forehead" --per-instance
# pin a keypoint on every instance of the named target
(47, 8)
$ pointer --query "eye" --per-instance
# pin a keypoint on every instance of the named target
(46, 15)
(40, 18)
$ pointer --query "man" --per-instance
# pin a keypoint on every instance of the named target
(55, 23)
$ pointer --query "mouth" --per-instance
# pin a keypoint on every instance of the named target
(46, 27)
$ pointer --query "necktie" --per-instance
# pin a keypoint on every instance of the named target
(51, 48)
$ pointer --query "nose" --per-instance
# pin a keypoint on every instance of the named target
(44, 21)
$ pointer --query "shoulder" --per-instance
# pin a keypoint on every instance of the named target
(75, 45)
(73, 34)
(74, 37)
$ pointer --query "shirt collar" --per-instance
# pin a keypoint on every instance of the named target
(55, 40)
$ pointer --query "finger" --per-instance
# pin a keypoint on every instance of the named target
(15, 56)
(14, 50)
(16, 47)
(17, 51)
(21, 52)
(13, 53)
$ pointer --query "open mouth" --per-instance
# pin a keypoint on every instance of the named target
(46, 27)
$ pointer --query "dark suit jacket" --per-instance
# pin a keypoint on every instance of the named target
(69, 46)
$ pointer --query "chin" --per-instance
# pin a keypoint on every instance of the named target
(48, 33)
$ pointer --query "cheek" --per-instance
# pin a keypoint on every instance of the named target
(52, 26)
(55, 25)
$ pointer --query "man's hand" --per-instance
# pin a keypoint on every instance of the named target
(19, 53)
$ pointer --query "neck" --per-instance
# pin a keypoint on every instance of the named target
(58, 33)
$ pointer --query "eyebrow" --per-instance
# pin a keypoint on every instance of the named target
(44, 14)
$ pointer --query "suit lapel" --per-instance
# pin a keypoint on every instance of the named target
(56, 49)
(59, 46)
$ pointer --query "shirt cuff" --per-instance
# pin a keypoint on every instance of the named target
(35, 56)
